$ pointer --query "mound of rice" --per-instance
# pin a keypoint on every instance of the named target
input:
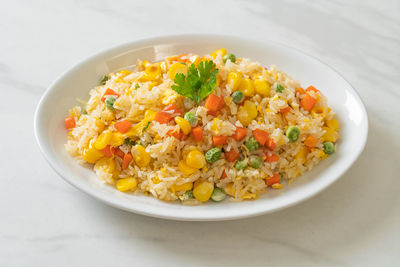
(152, 154)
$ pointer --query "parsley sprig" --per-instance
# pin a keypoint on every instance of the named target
(198, 83)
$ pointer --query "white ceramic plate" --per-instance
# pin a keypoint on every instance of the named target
(78, 80)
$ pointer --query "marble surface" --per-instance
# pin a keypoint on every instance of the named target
(46, 222)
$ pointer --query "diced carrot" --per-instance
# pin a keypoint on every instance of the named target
(126, 161)
(69, 122)
(261, 136)
(270, 144)
(107, 151)
(312, 88)
(172, 109)
(177, 134)
(223, 176)
(271, 158)
(231, 155)
(197, 133)
(221, 103)
(123, 126)
(285, 110)
(300, 91)
(213, 113)
(219, 140)
(311, 141)
(276, 178)
(109, 92)
(162, 117)
(118, 152)
(212, 103)
(239, 134)
(184, 58)
(308, 102)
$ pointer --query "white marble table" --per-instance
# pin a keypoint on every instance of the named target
(46, 222)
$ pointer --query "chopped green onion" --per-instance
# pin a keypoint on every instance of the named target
(110, 102)
(213, 155)
(104, 79)
(191, 118)
(252, 144)
(279, 88)
(241, 164)
(230, 57)
(255, 162)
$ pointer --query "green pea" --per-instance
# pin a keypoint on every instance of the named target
(213, 155)
(104, 79)
(231, 57)
(188, 195)
(255, 162)
(191, 118)
(279, 88)
(241, 164)
(292, 133)
(218, 194)
(110, 102)
(252, 144)
(329, 147)
(237, 97)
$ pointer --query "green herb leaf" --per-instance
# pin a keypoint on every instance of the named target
(279, 88)
(137, 86)
(198, 83)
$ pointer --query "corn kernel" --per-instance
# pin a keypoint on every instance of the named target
(262, 87)
(103, 140)
(182, 187)
(234, 80)
(125, 72)
(221, 52)
(229, 189)
(277, 186)
(247, 87)
(195, 159)
(203, 191)
(105, 164)
(321, 154)
(169, 96)
(333, 124)
(176, 68)
(249, 196)
(183, 124)
(247, 113)
(117, 139)
(152, 72)
(140, 155)
(301, 155)
(330, 134)
(91, 154)
(185, 169)
(318, 112)
(126, 184)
